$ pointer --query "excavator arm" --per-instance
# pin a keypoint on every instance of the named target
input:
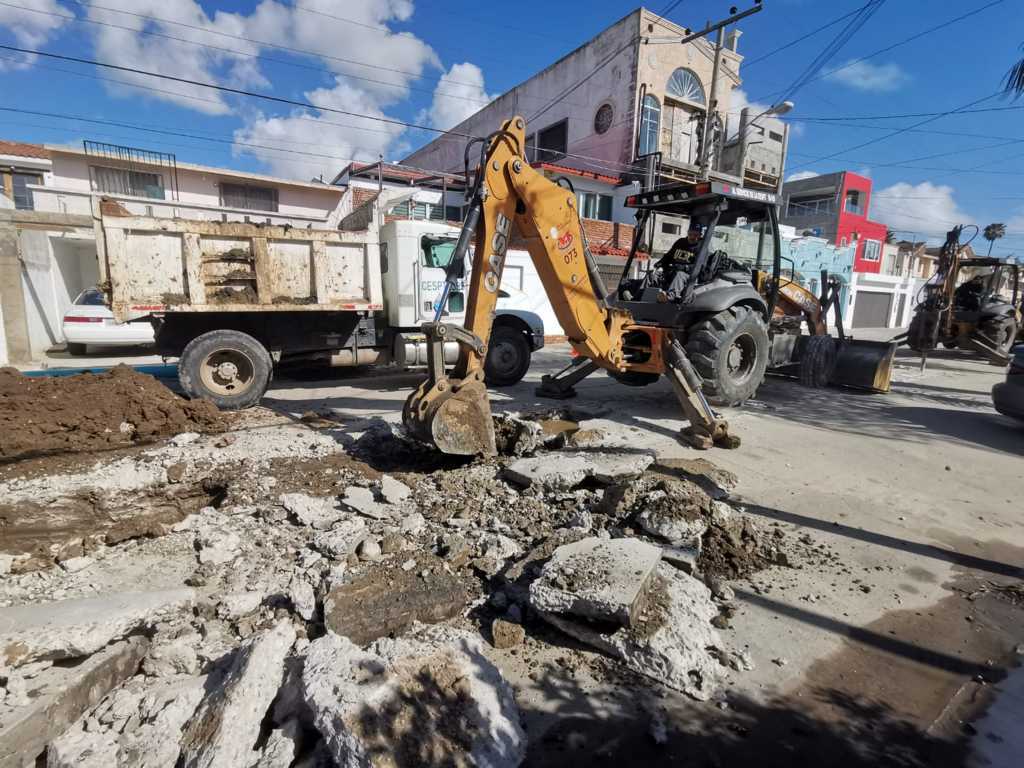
(451, 409)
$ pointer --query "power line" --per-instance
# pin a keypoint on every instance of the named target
(260, 57)
(893, 46)
(749, 63)
(845, 34)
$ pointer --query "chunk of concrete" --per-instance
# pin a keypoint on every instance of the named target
(169, 657)
(59, 696)
(672, 520)
(217, 546)
(506, 634)
(362, 501)
(146, 734)
(236, 605)
(567, 470)
(394, 491)
(388, 599)
(597, 579)
(672, 639)
(341, 541)
(69, 629)
(224, 730)
(281, 747)
(428, 699)
(320, 512)
(303, 597)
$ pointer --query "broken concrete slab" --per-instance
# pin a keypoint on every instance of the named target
(59, 696)
(671, 519)
(303, 598)
(145, 732)
(389, 599)
(364, 502)
(69, 629)
(224, 730)
(431, 698)
(342, 539)
(565, 471)
(597, 579)
(671, 642)
(394, 491)
(320, 512)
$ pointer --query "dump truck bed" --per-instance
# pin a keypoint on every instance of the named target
(158, 265)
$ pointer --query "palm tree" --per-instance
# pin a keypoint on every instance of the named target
(993, 232)
(1015, 79)
(890, 236)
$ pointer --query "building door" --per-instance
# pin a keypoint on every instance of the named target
(678, 133)
(872, 309)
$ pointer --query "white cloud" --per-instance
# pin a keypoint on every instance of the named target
(926, 209)
(338, 138)
(865, 76)
(799, 175)
(459, 93)
(31, 30)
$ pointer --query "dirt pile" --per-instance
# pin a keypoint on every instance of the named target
(88, 412)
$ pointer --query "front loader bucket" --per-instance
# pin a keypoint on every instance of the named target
(864, 364)
(454, 416)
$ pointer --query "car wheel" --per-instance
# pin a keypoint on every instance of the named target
(76, 349)
(818, 361)
(508, 358)
(231, 369)
(730, 352)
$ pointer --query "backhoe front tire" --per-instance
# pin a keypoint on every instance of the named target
(818, 361)
(231, 369)
(1002, 331)
(730, 352)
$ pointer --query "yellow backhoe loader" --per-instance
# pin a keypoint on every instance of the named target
(701, 319)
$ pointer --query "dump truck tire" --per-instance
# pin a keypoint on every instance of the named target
(818, 362)
(231, 369)
(508, 358)
(730, 352)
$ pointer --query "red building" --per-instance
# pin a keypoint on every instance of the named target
(836, 206)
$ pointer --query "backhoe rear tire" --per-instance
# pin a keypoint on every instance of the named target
(730, 352)
(818, 361)
(231, 369)
(1001, 330)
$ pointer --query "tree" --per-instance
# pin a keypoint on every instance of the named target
(890, 236)
(1014, 83)
(993, 232)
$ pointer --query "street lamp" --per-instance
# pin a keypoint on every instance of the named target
(775, 110)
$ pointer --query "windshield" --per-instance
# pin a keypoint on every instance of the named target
(437, 251)
(737, 237)
(90, 297)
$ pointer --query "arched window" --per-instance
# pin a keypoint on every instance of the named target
(685, 85)
(650, 124)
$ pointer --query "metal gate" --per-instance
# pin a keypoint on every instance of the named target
(872, 309)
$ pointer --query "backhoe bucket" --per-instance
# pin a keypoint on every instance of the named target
(864, 365)
(455, 416)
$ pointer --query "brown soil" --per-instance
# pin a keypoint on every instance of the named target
(737, 550)
(92, 412)
(241, 295)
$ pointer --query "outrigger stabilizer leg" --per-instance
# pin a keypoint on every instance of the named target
(706, 428)
(561, 385)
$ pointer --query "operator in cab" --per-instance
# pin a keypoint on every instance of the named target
(676, 264)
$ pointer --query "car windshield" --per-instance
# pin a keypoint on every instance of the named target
(90, 297)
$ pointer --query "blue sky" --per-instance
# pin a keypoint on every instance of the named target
(433, 61)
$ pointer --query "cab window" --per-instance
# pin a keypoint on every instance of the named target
(436, 252)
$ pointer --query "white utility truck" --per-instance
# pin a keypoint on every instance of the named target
(233, 300)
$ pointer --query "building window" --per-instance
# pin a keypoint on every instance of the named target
(842, 242)
(248, 197)
(595, 206)
(686, 86)
(22, 194)
(872, 250)
(453, 213)
(670, 229)
(650, 124)
(122, 181)
(553, 141)
(775, 136)
(603, 118)
(810, 206)
(853, 204)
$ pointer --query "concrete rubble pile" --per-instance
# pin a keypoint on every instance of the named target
(320, 611)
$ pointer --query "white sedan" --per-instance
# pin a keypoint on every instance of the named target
(89, 321)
